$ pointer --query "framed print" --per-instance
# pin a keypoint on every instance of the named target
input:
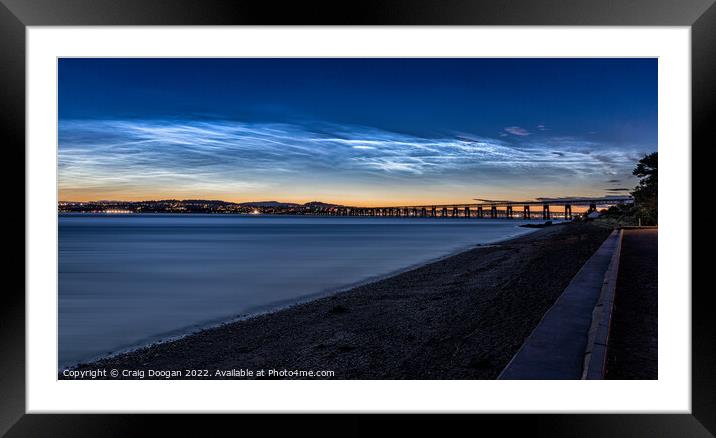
(441, 207)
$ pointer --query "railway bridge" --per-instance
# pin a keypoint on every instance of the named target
(544, 208)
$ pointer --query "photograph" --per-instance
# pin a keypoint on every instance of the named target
(357, 218)
(375, 217)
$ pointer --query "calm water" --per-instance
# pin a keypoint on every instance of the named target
(125, 281)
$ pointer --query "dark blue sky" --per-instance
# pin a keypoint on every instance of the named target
(361, 123)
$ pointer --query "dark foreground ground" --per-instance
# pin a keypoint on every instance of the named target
(463, 317)
(632, 352)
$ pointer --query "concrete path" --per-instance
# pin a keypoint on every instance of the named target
(633, 338)
(556, 348)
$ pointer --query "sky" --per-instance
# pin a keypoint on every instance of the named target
(366, 132)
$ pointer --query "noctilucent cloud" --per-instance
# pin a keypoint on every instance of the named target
(353, 131)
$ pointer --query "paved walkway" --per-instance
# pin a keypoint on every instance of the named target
(556, 347)
(633, 339)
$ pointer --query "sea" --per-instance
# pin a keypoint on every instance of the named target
(129, 280)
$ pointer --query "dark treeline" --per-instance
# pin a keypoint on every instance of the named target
(644, 211)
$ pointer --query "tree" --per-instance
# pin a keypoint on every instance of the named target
(646, 193)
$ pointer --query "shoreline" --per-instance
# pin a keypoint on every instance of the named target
(302, 315)
(279, 306)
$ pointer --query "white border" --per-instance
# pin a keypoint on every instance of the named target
(671, 393)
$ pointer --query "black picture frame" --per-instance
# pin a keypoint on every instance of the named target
(16, 15)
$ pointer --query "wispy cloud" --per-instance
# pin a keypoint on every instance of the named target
(618, 189)
(516, 130)
(120, 156)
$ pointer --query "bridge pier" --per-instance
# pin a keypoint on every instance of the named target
(493, 212)
(467, 212)
(509, 212)
(454, 212)
(424, 212)
(480, 213)
(545, 211)
(444, 212)
(567, 211)
(434, 212)
(526, 213)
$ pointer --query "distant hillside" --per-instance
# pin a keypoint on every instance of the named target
(315, 204)
(320, 204)
(194, 206)
(268, 204)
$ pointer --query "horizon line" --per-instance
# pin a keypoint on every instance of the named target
(466, 202)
